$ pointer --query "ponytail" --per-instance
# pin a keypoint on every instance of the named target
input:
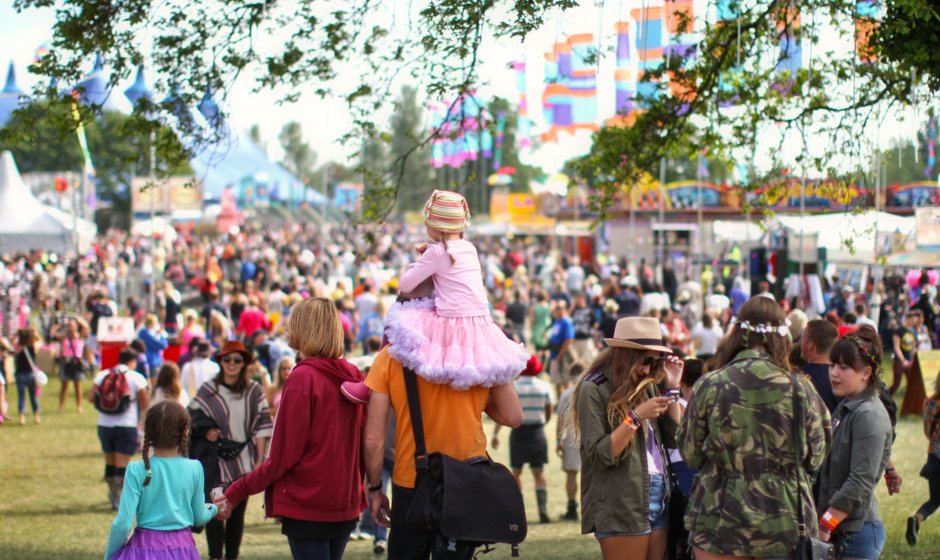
(453, 261)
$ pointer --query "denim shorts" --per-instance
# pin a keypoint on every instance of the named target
(657, 511)
(866, 543)
(118, 440)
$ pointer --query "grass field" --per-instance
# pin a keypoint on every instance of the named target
(53, 504)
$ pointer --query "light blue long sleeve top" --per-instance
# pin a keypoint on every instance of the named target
(174, 499)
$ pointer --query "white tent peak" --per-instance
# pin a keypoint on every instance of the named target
(20, 211)
(25, 223)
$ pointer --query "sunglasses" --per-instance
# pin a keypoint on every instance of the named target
(232, 360)
(652, 360)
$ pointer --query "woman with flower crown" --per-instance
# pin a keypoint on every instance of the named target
(738, 431)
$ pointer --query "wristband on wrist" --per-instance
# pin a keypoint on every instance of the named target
(828, 523)
(630, 421)
(375, 488)
(889, 470)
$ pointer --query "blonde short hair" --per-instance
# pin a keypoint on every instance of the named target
(151, 321)
(314, 329)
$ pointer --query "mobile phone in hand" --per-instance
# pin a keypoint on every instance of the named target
(674, 394)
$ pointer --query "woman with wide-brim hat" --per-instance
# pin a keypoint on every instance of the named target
(238, 409)
(623, 423)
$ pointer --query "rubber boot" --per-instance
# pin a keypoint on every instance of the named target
(541, 498)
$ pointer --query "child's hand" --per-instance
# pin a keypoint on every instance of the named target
(421, 247)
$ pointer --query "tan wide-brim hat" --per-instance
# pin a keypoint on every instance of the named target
(640, 333)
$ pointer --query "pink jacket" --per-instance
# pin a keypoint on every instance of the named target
(458, 287)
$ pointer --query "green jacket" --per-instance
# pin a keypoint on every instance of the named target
(614, 490)
(861, 447)
(738, 431)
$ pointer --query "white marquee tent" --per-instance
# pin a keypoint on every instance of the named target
(847, 236)
(26, 224)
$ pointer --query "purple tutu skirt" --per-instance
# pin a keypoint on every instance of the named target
(149, 544)
(462, 352)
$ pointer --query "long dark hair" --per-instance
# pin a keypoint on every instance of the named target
(619, 366)
(168, 379)
(244, 378)
(166, 427)
(758, 310)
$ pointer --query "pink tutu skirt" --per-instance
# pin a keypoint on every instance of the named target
(150, 544)
(462, 352)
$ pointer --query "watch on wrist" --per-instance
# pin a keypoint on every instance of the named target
(375, 488)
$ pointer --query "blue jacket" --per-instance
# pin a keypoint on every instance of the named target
(155, 345)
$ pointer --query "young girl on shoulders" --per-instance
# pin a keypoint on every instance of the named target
(164, 492)
(449, 339)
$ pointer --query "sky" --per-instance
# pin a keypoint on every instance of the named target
(325, 120)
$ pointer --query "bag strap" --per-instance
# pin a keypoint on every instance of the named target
(797, 445)
(29, 358)
(417, 423)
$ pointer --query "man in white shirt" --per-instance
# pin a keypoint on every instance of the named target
(118, 429)
(862, 317)
(198, 370)
(365, 302)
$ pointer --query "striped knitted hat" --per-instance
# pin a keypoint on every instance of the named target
(446, 211)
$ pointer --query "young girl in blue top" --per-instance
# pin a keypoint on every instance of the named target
(164, 492)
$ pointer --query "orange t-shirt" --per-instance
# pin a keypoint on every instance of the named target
(453, 422)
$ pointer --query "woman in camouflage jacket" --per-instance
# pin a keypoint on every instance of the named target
(738, 431)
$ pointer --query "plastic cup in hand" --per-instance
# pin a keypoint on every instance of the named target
(217, 494)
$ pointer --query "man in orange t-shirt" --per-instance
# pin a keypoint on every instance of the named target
(452, 425)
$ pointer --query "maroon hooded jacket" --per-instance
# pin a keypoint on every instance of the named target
(314, 470)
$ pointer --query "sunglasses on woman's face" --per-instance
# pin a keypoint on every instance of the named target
(232, 360)
(652, 360)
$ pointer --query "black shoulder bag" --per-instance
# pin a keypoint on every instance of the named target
(472, 503)
(807, 548)
(677, 539)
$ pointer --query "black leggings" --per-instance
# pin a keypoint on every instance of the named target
(933, 482)
(228, 532)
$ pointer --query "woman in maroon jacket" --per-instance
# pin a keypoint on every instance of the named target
(313, 476)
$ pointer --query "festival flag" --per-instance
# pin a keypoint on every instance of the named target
(650, 45)
(790, 52)
(727, 10)
(524, 126)
(790, 56)
(680, 43)
(460, 135)
(583, 81)
(866, 13)
(624, 86)
(569, 101)
(727, 14)
(556, 101)
(500, 129)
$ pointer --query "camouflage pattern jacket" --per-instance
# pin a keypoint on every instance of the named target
(615, 490)
(738, 431)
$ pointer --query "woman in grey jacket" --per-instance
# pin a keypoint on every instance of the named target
(623, 423)
(861, 448)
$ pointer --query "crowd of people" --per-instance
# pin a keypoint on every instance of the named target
(246, 350)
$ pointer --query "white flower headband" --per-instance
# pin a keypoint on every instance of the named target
(763, 328)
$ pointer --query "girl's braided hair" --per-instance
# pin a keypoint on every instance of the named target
(166, 427)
